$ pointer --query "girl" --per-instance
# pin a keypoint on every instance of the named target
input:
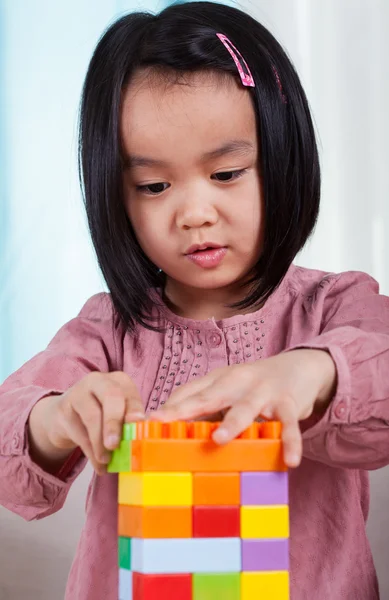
(201, 182)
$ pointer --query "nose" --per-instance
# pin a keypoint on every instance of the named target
(195, 212)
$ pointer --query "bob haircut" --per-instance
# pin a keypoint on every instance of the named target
(181, 39)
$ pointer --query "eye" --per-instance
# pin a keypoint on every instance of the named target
(153, 189)
(227, 176)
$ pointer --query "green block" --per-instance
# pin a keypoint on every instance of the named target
(129, 431)
(124, 551)
(216, 586)
(121, 458)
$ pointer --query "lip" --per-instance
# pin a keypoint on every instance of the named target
(207, 258)
(205, 246)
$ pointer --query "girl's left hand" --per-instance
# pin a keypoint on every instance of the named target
(287, 387)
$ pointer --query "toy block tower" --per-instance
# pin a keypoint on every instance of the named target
(198, 521)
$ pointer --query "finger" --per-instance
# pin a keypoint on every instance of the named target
(291, 435)
(77, 432)
(208, 401)
(116, 394)
(181, 394)
(237, 419)
(228, 381)
(134, 409)
(90, 413)
(285, 411)
(210, 396)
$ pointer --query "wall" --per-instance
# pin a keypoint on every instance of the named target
(47, 267)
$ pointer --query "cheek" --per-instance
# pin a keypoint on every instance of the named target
(249, 217)
(148, 229)
(140, 220)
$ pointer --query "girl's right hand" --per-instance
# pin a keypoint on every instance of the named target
(89, 415)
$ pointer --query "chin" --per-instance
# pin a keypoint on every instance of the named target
(213, 281)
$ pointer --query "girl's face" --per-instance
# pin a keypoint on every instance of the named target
(191, 179)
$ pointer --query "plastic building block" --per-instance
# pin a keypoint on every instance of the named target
(273, 585)
(124, 552)
(265, 555)
(216, 521)
(155, 521)
(216, 586)
(155, 489)
(264, 488)
(200, 430)
(193, 555)
(129, 431)
(125, 584)
(264, 522)
(206, 456)
(270, 430)
(121, 458)
(188, 447)
(162, 587)
(199, 521)
(216, 489)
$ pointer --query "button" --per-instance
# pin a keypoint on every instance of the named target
(340, 410)
(15, 442)
(215, 339)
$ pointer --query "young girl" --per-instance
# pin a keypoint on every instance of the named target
(201, 181)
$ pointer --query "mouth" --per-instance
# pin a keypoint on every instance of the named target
(207, 255)
(196, 248)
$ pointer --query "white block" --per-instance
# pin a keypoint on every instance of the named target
(190, 555)
(125, 584)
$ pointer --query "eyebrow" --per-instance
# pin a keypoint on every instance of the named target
(242, 147)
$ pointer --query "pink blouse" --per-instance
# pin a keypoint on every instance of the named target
(330, 555)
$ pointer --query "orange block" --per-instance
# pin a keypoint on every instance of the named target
(211, 489)
(271, 430)
(146, 430)
(155, 521)
(196, 455)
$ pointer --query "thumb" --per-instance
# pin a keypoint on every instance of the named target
(134, 407)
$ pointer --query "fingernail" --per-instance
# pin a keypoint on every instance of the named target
(134, 416)
(112, 440)
(267, 413)
(159, 415)
(221, 435)
(293, 460)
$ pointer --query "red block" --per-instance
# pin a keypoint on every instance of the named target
(163, 587)
(216, 521)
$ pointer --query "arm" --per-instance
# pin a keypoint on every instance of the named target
(354, 431)
(83, 345)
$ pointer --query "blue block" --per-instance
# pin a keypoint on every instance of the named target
(190, 555)
(125, 584)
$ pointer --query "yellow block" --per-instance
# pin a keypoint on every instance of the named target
(156, 489)
(267, 584)
(264, 521)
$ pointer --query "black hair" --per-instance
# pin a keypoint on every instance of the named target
(182, 38)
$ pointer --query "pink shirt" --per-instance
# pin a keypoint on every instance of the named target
(329, 492)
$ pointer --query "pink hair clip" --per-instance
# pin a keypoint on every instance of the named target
(241, 65)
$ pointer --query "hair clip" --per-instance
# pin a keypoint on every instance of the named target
(241, 65)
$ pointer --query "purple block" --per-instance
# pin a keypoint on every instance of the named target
(265, 555)
(264, 488)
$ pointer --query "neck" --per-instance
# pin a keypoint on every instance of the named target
(203, 304)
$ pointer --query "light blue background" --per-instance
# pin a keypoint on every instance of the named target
(47, 264)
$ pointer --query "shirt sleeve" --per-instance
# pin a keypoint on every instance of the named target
(354, 431)
(85, 344)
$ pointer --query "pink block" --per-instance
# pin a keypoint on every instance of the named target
(264, 488)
